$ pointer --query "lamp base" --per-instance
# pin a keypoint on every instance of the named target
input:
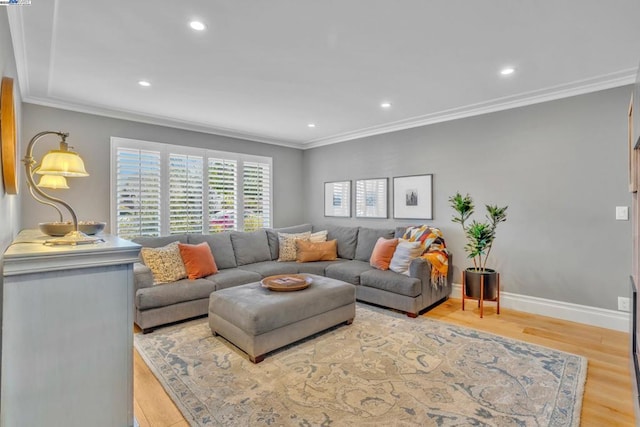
(74, 238)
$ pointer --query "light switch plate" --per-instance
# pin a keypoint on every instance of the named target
(622, 213)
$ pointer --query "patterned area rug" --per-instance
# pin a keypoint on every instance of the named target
(384, 369)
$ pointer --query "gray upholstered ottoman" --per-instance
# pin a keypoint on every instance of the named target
(258, 320)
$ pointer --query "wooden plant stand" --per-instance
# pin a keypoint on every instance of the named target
(481, 300)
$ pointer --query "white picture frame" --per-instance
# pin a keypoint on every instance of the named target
(413, 197)
(337, 199)
(371, 198)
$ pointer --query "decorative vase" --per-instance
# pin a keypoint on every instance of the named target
(472, 280)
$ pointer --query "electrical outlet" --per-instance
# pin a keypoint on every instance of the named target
(622, 213)
(624, 304)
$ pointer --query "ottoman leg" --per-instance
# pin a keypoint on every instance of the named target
(348, 322)
(257, 359)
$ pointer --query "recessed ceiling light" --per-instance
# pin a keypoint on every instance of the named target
(144, 83)
(197, 25)
(385, 105)
(311, 125)
(507, 70)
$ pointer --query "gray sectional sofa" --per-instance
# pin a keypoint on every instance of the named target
(245, 257)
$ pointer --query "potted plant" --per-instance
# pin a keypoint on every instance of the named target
(480, 238)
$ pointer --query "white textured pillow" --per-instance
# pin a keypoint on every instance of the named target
(406, 252)
(287, 243)
(319, 236)
(165, 263)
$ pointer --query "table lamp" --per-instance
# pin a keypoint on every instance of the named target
(56, 165)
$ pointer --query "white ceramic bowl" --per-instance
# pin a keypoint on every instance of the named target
(55, 228)
(91, 227)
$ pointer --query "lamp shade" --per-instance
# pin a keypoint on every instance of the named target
(53, 181)
(62, 163)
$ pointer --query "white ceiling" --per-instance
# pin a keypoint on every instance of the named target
(263, 70)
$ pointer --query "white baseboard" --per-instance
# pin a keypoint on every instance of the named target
(594, 316)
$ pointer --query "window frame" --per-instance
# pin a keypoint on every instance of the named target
(165, 149)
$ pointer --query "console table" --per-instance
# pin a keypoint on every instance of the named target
(67, 333)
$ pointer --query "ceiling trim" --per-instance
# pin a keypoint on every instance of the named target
(16, 28)
(581, 87)
(157, 120)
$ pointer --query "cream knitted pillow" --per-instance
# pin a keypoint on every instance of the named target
(165, 263)
(287, 244)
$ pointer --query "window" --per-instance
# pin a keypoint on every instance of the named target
(137, 193)
(160, 189)
(255, 192)
(186, 211)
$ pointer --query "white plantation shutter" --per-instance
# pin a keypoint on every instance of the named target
(223, 195)
(160, 189)
(185, 194)
(256, 195)
(138, 193)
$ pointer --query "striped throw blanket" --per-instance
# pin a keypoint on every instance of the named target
(434, 250)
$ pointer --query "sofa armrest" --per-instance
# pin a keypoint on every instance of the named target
(420, 268)
(142, 276)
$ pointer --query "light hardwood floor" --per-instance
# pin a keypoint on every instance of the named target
(608, 394)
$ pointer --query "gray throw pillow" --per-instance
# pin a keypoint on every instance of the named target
(367, 238)
(250, 247)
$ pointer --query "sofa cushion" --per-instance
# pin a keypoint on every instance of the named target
(156, 242)
(317, 267)
(347, 238)
(173, 293)
(220, 245)
(272, 235)
(233, 277)
(165, 263)
(271, 268)
(393, 282)
(316, 251)
(198, 260)
(348, 271)
(250, 247)
(367, 238)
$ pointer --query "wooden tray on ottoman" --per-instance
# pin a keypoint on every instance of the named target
(286, 282)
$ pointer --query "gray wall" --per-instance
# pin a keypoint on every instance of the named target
(90, 135)
(561, 166)
(9, 204)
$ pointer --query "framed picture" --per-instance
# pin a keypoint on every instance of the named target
(337, 198)
(371, 198)
(413, 197)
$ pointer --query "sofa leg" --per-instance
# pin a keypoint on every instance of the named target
(348, 322)
(412, 315)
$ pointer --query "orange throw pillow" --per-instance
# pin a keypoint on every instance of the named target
(316, 251)
(198, 260)
(382, 253)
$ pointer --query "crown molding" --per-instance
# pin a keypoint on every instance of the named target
(157, 120)
(581, 87)
(16, 28)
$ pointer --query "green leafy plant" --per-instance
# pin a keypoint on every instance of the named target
(480, 235)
